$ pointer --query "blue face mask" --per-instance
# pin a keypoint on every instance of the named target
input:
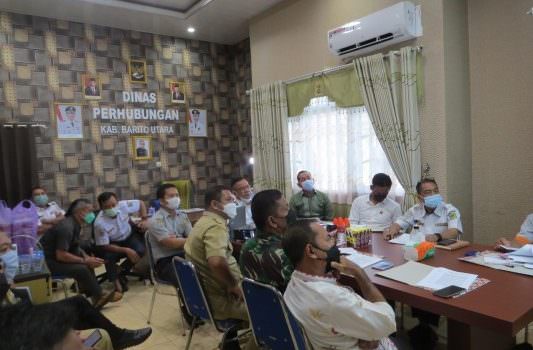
(433, 201)
(41, 200)
(11, 264)
(308, 185)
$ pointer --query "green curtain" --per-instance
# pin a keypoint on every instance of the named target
(338, 86)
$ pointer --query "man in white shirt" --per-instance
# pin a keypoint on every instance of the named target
(333, 316)
(49, 212)
(376, 210)
(243, 192)
(525, 236)
(113, 234)
(436, 219)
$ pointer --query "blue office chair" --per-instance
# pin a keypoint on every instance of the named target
(273, 324)
(156, 280)
(196, 301)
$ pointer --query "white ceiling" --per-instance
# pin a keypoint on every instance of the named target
(220, 21)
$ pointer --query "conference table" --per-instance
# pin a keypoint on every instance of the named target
(488, 317)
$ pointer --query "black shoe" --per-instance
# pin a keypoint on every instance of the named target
(423, 337)
(132, 337)
(123, 283)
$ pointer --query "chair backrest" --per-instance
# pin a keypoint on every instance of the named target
(273, 325)
(151, 261)
(192, 290)
(185, 190)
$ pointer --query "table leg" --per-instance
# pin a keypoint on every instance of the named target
(465, 337)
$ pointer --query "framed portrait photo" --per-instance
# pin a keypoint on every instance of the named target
(91, 87)
(137, 71)
(197, 122)
(69, 121)
(177, 92)
(142, 147)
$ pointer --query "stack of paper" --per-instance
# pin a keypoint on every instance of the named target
(421, 275)
(441, 277)
(362, 260)
(402, 239)
(522, 255)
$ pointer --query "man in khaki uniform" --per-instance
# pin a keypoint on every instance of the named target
(209, 248)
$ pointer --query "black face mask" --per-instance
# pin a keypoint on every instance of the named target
(333, 254)
(291, 217)
(379, 197)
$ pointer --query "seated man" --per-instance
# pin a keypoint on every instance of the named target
(525, 236)
(310, 203)
(333, 316)
(436, 220)
(262, 257)
(114, 235)
(64, 257)
(167, 231)
(49, 212)
(242, 190)
(208, 247)
(376, 210)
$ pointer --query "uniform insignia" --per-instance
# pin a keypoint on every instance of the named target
(452, 215)
(316, 314)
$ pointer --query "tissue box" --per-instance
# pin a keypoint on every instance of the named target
(419, 251)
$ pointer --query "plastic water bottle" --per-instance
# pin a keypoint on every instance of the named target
(416, 235)
(37, 260)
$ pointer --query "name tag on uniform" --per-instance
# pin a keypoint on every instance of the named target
(442, 224)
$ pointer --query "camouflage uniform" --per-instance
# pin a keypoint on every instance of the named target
(263, 259)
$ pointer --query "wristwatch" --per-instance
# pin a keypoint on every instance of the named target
(439, 237)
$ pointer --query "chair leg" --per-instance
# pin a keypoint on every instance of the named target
(152, 304)
(182, 323)
(401, 316)
(191, 331)
(65, 288)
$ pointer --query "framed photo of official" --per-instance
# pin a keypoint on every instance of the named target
(137, 71)
(142, 147)
(177, 92)
(91, 87)
(197, 122)
(68, 121)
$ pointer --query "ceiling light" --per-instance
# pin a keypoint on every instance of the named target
(191, 30)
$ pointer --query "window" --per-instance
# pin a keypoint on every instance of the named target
(340, 149)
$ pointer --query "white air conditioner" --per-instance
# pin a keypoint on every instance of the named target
(386, 27)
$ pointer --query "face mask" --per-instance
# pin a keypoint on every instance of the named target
(433, 201)
(308, 185)
(249, 199)
(41, 200)
(89, 217)
(332, 254)
(174, 203)
(11, 264)
(111, 212)
(379, 197)
(230, 209)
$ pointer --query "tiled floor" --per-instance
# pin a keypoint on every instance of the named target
(132, 312)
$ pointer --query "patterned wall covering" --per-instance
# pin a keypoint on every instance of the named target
(42, 61)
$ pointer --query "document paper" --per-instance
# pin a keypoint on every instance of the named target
(441, 277)
(362, 260)
(402, 239)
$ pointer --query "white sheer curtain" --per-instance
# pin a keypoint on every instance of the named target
(340, 149)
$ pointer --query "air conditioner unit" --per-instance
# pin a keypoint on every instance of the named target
(386, 27)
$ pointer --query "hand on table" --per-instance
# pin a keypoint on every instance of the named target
(390, 233)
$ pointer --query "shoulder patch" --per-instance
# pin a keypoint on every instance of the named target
(452, 215)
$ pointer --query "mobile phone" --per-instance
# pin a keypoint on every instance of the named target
(448, 292)
(93, 338)
(446, 242)
(382, 265)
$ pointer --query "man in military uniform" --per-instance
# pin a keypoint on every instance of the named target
(209, 248)
(262, 257)
(50, 213)
(436, 219)
(310, 203)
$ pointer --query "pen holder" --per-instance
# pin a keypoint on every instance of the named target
(419, 251)
(358, 236)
